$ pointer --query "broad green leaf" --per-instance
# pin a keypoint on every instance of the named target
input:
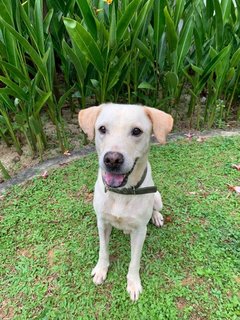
(162, 52)
(209, 8)
(116, 71)
(78, 62)
(146, 85)
(159, 21)
(34, 125)
(140, 20)
(230, 74)
(126, 18)
(14, 72)
(88, 17)
(212, 53)
(179, 6)
(11, 48)
(4, 97)
(38, 24)
(172, 37)
(172, 80)
(144, 50)
(39, 104)
(226, 9)
(210, 67)
(83, 39)
(49, 61)
(113, 29)
(6, 11)
(47, 20)
(65, 96)
(197, 69)
(218, 24)
(235, 60)
(185, 41)
(33, 54)
(18, 92)
(30, 29)
(198, 46)
(95, 83)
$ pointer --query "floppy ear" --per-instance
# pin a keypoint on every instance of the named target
(87, 119)
(162, 123)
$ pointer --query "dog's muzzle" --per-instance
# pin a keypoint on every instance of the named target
(112, 177)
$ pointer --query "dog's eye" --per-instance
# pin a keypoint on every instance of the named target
(102, 129)
(136, 132)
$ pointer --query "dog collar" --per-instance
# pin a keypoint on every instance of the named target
(133, 190)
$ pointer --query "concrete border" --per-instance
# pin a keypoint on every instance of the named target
(38, 169)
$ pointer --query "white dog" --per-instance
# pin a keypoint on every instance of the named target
(125, 196)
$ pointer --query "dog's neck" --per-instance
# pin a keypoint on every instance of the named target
(137, 173)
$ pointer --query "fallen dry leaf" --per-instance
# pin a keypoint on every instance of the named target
(44, 175)
(234, 188)
(67, 153)
(189, 135)
(236, 166)
(192, 193)
(168, 219)
(201, 139)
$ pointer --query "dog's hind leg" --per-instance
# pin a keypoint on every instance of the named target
(157, 218)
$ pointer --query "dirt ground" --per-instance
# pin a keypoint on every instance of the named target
(15, 163)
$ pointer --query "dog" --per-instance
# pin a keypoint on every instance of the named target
(124, 196)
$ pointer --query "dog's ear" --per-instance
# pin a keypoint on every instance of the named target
(162, 123)
(87, 119)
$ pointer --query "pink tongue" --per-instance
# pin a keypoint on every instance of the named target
(113, 180)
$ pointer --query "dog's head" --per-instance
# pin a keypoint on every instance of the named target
(122, 134)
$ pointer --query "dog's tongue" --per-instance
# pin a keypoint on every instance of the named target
(113, 180)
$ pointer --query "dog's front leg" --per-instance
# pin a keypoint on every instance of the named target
(134, 286)
(99, 273)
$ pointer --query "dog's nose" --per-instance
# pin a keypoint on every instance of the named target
(113, 160)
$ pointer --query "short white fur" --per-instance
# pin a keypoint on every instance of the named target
(130, 213)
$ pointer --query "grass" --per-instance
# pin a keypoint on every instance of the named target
(190, 268)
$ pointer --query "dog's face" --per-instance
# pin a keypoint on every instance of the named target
(122, 135)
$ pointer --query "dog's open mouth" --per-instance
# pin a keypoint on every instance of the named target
(117, 180)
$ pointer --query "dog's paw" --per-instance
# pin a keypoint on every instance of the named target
(134, 288)
(157, 219)
(99, 274)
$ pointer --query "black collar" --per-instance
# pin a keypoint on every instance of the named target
(135, 189)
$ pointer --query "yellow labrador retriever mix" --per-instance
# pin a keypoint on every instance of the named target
(125, 196)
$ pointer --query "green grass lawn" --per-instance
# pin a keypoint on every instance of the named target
(189, 268)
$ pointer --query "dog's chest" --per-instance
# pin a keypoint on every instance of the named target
(125, 213)
(121, 221)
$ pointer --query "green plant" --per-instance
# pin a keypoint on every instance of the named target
(151, 52)
(5, 173)
(28, 71)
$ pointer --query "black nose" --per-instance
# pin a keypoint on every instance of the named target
(113, 160)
